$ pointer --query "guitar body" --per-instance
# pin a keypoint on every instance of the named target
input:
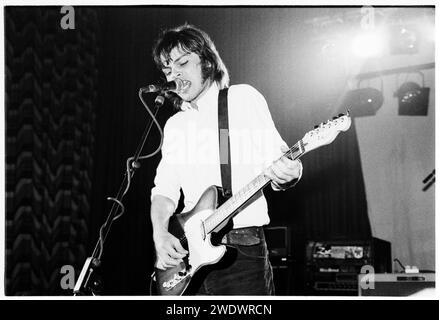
(200, 241)
(189, 228)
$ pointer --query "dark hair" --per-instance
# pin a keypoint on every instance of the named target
(191, 39)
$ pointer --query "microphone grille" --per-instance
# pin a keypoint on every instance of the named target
(151, 88)
(159, 100)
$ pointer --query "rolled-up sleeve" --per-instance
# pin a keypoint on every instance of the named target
(167, 182)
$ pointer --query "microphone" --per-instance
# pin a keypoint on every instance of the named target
(176, 85)
(159, 101)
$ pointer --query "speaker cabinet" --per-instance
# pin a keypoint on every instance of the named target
(278, 241)
(279, 248)
(283, 279)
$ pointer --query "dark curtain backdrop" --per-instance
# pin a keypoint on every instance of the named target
(51, 102)
(74, 117)
(268, 48)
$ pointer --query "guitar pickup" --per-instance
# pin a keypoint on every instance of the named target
(203, 230)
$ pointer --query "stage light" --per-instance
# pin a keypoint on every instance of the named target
(363, 102)
(368, 44)
(404, 39)
(412, 99)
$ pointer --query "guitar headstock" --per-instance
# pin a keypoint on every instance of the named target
(326, 132)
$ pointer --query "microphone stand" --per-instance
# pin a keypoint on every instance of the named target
(89, 283)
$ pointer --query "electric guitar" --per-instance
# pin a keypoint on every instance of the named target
(212, 212)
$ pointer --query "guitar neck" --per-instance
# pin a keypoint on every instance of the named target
(229, 208)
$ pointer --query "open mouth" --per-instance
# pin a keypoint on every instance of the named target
(185, 87)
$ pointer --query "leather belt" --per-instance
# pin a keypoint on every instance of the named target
(244, 236)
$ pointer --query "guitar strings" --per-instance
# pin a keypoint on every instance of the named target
(253, 186)
(293, 153)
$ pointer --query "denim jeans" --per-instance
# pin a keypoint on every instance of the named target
(244, 270)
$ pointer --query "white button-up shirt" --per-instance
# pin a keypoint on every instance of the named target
(190, 151)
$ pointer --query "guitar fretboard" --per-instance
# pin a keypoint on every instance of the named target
(229, 207)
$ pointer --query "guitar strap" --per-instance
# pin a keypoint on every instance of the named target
(224, 143)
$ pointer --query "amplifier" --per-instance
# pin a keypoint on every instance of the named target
(278, 242)
(332, 266)
(395, 284)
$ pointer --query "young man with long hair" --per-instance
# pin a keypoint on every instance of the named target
(191, 162)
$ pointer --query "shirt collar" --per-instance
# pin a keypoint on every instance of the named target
(209, 98)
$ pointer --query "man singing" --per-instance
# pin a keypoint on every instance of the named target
(191, 161)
